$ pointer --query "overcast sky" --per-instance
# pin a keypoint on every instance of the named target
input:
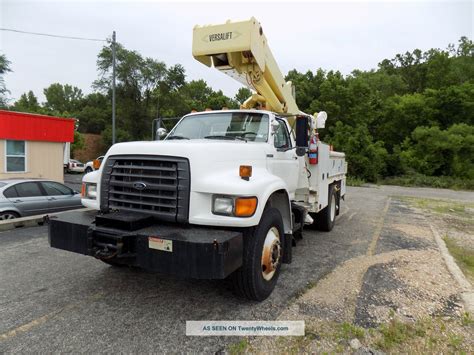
(306, 36)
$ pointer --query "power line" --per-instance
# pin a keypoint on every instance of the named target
(51, 35)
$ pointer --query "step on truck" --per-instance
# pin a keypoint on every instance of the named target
(224, 194)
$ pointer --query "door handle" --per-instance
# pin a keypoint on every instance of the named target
(51, 199)
(18, 200)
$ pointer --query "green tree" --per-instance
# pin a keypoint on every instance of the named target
(78, 142)
(4, 68)
(138, 79)
(242, 94)
(62, 99)
(366, 158)
(435, 152)
(95, 113)
(28, 102)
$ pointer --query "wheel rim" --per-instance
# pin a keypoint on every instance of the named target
(271, 253)
(333, 208)
(6, 216)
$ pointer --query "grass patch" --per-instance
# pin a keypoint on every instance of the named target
(238, 348)
(454, 208)
(426, 335)
(353, 181)
(418, 180)
(348, 331)
(396, 333)
(466, 319)
(463, 256)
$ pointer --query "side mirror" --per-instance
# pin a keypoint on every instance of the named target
(301, 132)
(275, 126)
(321, 119)
(161, 133)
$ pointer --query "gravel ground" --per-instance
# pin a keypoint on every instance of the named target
(403, 277)
(52, 300)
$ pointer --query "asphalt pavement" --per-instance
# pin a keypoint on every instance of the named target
(53, 300)
(74, 181)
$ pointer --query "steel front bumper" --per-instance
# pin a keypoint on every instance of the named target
(185, 251)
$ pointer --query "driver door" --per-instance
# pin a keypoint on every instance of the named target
(285, 161)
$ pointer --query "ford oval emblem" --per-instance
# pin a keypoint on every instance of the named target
(139, 186)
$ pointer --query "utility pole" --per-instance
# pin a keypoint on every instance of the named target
(113, 87)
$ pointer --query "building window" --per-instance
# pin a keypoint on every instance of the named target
(15, 156)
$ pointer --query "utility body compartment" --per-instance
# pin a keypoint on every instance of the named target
(181, 250)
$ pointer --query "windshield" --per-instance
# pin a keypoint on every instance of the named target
(223, 125)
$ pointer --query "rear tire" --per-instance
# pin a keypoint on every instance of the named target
(327, 217)
(8, 215)
(262, 256)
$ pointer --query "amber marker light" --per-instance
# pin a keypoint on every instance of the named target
(83, 190)
(245, 206)
(96, 164)
(245, 172)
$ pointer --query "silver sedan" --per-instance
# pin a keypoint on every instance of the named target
(23, 197)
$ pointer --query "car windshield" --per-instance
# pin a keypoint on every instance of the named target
(223, 125)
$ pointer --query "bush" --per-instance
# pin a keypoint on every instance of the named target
(366, 158)
(436, 152)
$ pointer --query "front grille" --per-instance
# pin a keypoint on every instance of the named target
(155, 185)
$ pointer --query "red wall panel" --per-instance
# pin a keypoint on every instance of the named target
(32, 127)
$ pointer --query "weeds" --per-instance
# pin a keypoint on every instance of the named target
(445, 182)
(238, 348)
(353, 181)
(349, 331)
(455, 341)
(394, 333)
(463, 256)
(466, 319)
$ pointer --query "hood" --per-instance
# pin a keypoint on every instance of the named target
(195, 149)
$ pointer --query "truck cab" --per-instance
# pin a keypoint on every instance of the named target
(211, 149)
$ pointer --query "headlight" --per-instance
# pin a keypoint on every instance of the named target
(89, 190)
(234, 206)
(223, 205)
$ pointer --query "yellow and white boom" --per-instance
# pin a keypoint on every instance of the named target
(240, 50)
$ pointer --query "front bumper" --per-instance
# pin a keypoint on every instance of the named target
(181, 250)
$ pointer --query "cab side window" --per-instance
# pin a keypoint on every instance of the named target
(282, 138)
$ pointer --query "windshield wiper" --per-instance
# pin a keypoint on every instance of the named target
(177, 137)
(225, 137)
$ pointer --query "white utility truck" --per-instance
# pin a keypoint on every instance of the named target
(226, 193)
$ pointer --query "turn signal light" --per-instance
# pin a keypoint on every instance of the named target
(245, 171)
(245, 206)
(96, 164)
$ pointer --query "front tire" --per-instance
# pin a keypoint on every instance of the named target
(88, 170)
(262, 256)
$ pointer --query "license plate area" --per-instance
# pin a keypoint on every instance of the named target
(160, 244)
